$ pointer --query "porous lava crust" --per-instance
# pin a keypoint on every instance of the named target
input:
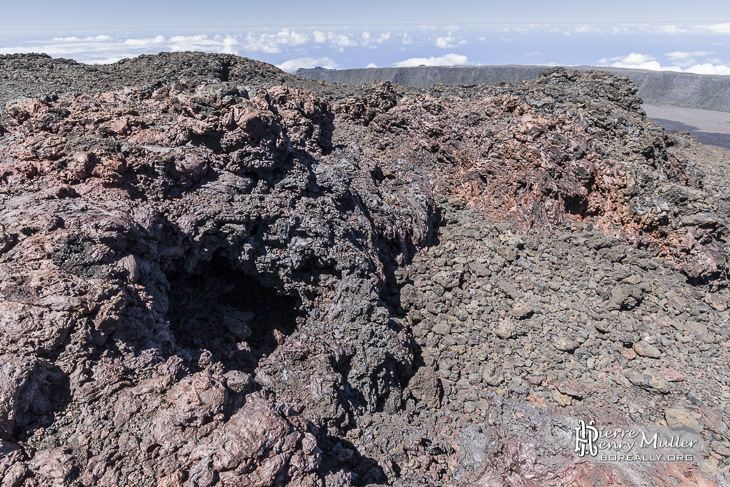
(215, 273)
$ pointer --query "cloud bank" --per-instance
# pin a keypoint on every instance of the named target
(694, 48)
(104, 49)
(450, 59)
(292, 65)
(681, 61)
(283, 41)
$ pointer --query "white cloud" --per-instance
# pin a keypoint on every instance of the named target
(446, 42)
(83, 51)
(683, 62)
(291, 38)
(633, 61)
(342, 40)
(371, 65)
(103, 49)
(229, 44)
(686, 59)
(292, 65)
(722, 29)
(261, 43)
(200, 42)
(77, 39)
(672, 29)
(271, 43)
(195, 38)
(368, 40)
(633, 28)
(653, 29)
(680, 55)
(144, 42)
(450, 59)
(407, 40)
(708, 68)
(449, 42)
(521, 29)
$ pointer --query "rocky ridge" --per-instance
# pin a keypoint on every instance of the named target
(237, 277)
(708, 92)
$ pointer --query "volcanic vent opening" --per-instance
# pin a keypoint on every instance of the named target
(218, 308)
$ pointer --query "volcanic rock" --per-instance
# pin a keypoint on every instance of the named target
(215, 273)
(647, 350)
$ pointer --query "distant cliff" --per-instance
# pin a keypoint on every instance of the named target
(655, 87)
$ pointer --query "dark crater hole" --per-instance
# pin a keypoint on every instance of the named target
(218, 308)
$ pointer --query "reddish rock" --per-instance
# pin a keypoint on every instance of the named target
(26, 386)
(58, 465)
(671, 375)
(196, 399)
(628, 353)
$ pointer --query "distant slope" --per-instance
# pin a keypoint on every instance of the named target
(710, 127)
(655, 87)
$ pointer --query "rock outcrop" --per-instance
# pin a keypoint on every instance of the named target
(239, 277)
(703, 91)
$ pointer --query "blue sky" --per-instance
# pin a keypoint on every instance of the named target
(44, 14)
(681, 36)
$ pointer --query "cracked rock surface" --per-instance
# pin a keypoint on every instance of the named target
(215, 273)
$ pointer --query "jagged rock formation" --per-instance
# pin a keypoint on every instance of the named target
(240, 277)
(708, 92)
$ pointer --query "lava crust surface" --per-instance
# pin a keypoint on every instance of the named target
(215, 273)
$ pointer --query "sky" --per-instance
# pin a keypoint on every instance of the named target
(45, 14)
(679, 36)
